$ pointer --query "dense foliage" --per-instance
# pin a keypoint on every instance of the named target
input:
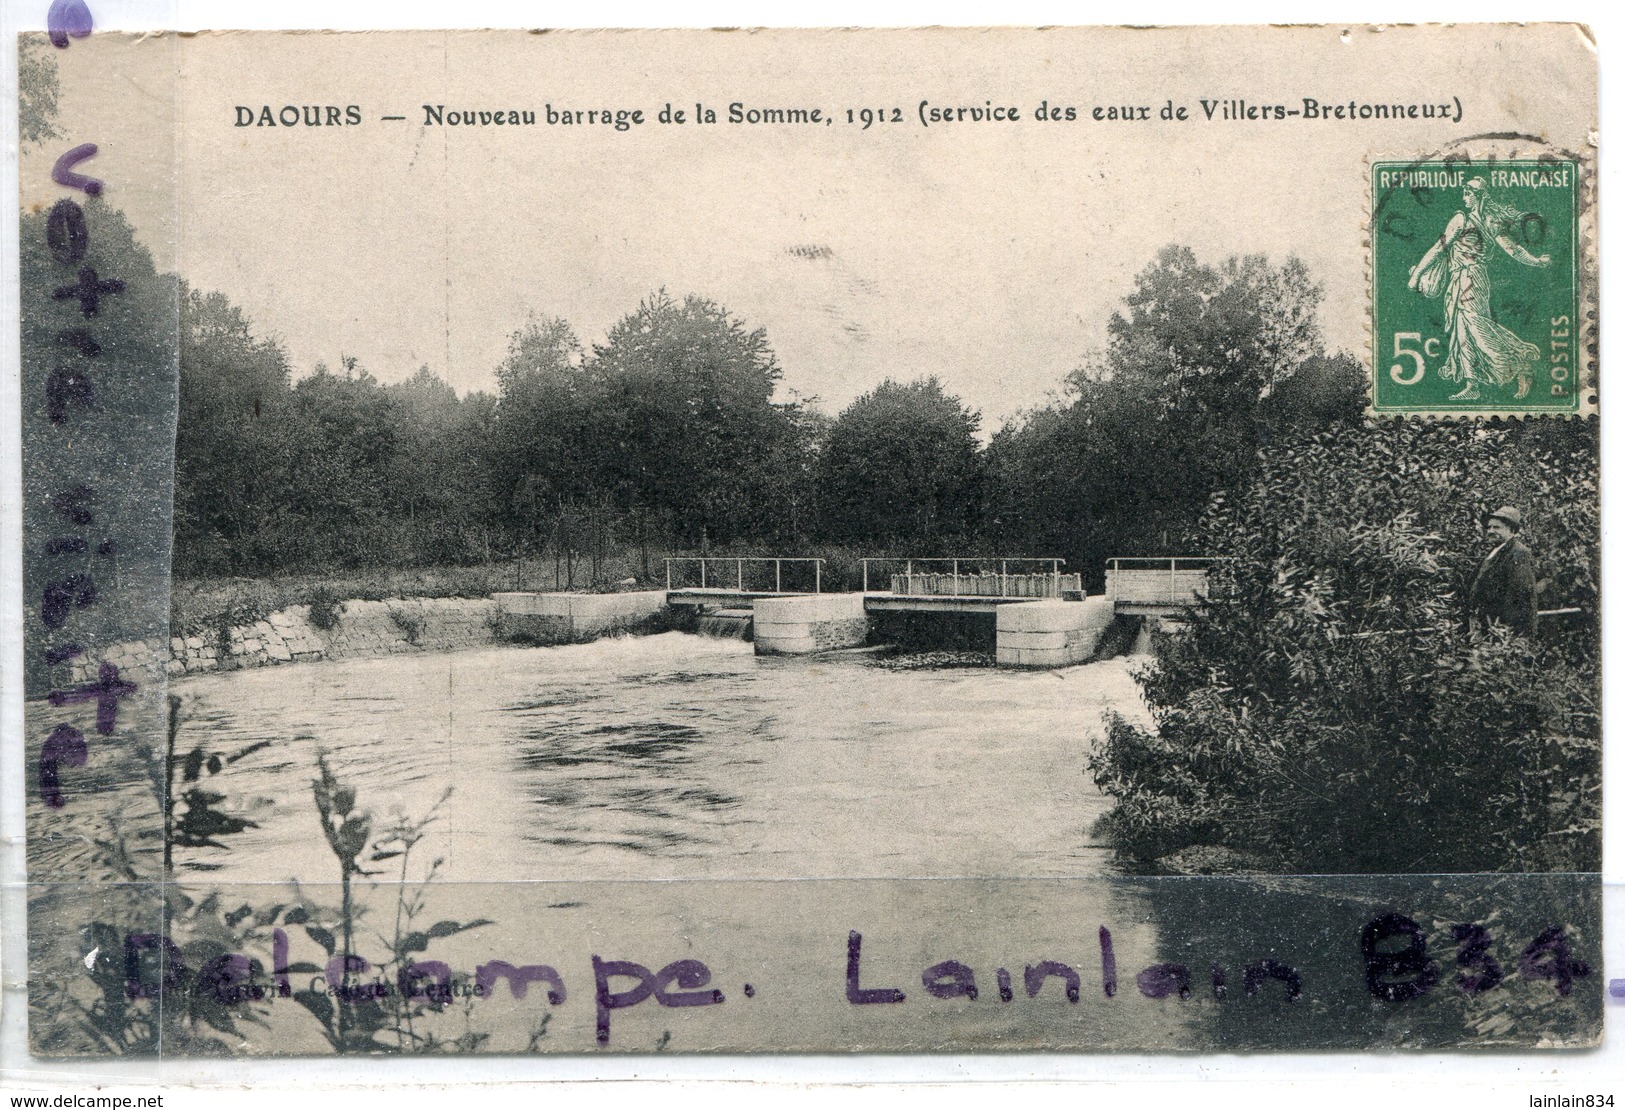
(673, 435)
(900, 466)
(1328, 710)
(96, 400)
(669, 427)
(37, 91)
(667, 436)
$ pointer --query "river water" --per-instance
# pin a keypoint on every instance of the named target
(675, 797)
(665, 757)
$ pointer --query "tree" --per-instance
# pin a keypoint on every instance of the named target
(901, 466)
(1205, 365)
(684, 419)
(435, 479)
(673, 418)
(543, 355)
(1039, 473)
(97, 406)
(1329, 710)
(1200, 337)
(540, 454)
(1175, 407)
(232, 390)
(788, 490)
(335, 444)
(1324, 392)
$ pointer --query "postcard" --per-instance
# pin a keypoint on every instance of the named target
(841, 541)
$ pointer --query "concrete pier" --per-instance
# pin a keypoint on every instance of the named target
(810, 623)
(570, 618)
(1052, 633)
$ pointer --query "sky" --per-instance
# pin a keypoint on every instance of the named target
(990, 254)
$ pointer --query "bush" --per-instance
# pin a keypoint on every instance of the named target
(410, 624)
(325, 607)
(1328, 709)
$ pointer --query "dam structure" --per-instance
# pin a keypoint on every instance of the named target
(1039, 619)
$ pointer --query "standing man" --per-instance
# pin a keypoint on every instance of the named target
(1504, 588)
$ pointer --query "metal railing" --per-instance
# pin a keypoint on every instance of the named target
(739, 562)
(955, 561)
(1121, 562)
(1143, 575)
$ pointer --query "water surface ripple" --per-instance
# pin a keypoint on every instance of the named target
(670, 756)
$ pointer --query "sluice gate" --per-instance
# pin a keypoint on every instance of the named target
(1038, 619)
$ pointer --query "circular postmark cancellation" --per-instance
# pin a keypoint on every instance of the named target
(1479, 287)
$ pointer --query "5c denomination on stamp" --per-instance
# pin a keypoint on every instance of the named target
(1475, 288)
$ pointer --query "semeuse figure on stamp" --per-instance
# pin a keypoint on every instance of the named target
(1504, 589)
(1481, 351)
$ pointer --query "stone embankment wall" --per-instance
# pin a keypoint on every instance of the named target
(540, 618)
(361, 629)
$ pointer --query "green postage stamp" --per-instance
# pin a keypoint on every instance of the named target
(1475, 288)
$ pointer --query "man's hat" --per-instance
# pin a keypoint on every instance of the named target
(1509, 514)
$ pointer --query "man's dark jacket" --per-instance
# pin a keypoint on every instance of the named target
(1504, 589)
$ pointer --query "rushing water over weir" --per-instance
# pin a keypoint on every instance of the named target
(726, 624)
(669, 756)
